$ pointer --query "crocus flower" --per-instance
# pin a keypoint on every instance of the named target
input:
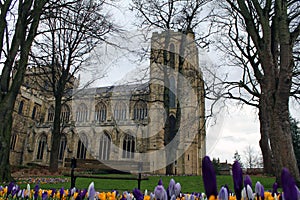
(138, 194)
(10, 187)
(36, 191)
(209, 177)
(61, 192)
(160, 192)
(288, 185)
(170, 190)
(274, 191)
(259, 190)
(91, 191)
(247, 181)
(45, 195)
(223, 194)
(177, 189)
(237, 175)
(53, 193)
(247, 193)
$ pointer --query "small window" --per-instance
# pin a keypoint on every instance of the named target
(140, 111)
(13, 141)
(62, 147)
(120, 111)
(100, 112)
(41, 147)
(33, 114)
(81, 147)
(21, 105)
(104, 147)
(82, 113)
(51, 114)
(65, 114)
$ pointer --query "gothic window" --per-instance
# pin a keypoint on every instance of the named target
(21, 105)
(172, 55)
(172, 91)
(51, 114)
(62, 147)
(100, 112)
(65, 113)
(140, 111)
(104, 148)
(13, 141)
(81, 147)
(33, 114)
(82, 113)
(128, 146)
(120, 111)
(41, 147)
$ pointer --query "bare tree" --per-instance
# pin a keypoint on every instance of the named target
(19, 21)
(253, 158)
(70, 32)
(262, 39)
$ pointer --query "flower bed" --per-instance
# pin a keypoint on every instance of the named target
(243, 189)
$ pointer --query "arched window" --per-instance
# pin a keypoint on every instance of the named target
(50, 114)
(41, 147)
(172, 55)
(82, 113)
(140, 110)
(13, 141)
(128, 147)
(104, 147)
(100, 112)
(21, 105)
(172, 92)
(81, 147)
(120, 111)
(65, 113)
(62, 147)
(33, 114)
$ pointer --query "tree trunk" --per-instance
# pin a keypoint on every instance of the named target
(56, 135)
(5, 134)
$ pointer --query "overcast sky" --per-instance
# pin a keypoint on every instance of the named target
(235, 129)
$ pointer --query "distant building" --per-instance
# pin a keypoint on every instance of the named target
(123, 122)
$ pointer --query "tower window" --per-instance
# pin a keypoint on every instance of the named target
(21, 105)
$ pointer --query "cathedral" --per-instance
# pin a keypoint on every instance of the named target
(161, 121)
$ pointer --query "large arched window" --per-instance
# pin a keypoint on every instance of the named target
(82, 146)
(172, 91)
(41, 147)
(50, 114)
(120, 111)
(65, 113)
(104, 147)
(140, 111)
(82, 113)
(21, 105)
(100, 112)
(128, 146)
(62, 147)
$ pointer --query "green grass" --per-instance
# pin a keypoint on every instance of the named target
(188, 183)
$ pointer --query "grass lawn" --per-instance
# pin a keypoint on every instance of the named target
(189, 184)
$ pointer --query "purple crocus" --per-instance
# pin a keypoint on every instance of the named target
(36, 191)
(61, 192)
(10, 187)
(247, 181)
(223, 194)
(138, 195)
(237, 175)
(259, 190)
(53, 193)
(289, 187)
(209, 177)
(160, 192)
(275, 188)
(170, 190)
(177, 189)
(45, 195)
(91, 191)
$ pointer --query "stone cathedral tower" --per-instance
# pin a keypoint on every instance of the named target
(177, 103)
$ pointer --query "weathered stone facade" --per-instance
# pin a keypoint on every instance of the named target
(125, 122)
